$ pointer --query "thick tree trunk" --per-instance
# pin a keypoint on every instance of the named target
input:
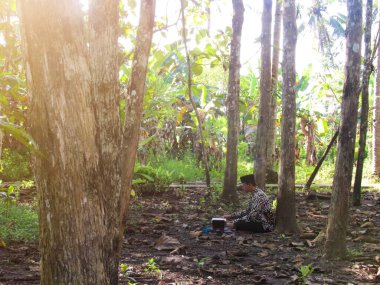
(233, 111)
(376, 121)
(73, 76)
(286, 209)
(265, 94)
(135, 94)
(365, 105)
(335, 246)
(271, 149)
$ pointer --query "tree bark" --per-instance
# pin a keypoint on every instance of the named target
(73, 76)
(319, 164)
(286, 210)
(335, 246)
(134, 98)
(265, 94)
(365, 105)
(376, 121)
(307, 127)
(271, 149)
(233, 112)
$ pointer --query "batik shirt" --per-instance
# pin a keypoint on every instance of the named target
(259, 210)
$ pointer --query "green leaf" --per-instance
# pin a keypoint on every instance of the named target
(20, 134)
(197, 69)
(322, 126)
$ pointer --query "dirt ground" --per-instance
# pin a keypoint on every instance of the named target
(166, 243)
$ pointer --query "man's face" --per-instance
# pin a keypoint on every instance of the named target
(247, 187)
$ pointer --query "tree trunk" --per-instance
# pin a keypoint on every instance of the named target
(265, 94)
(319, 164)
(73, 76)
(271, 149)
(307, 127)
(376, 121)
(233, 112)
(365, 105)
(286, 210)
(335, 246)
(135, 94)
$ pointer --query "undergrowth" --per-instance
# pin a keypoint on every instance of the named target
(18, 222)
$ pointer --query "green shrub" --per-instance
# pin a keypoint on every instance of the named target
(14, 165)
(18, 222)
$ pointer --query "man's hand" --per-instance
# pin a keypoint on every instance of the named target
(227, 217)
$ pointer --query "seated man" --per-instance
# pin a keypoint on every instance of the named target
(258, 217)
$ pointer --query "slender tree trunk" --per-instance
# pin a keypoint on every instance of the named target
(265, 94)
(376, 121)
(271, 149)
(365, 105)
(335, 246)
(189, 85)
(307, 127)
(286, 209)
(233, 111)
(135, 93)
(319, 164)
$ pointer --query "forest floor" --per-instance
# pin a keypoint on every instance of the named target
(166, 243)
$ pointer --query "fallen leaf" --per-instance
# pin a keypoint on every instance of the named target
(166, 242)
(367, 225)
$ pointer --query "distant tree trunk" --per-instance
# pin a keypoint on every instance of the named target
(233, 112)
(307, 127)
(319, 164)
(365, 105)
(265, 94)
(271, 150)
(135, 94)
(335, 246)
(286, 209)
(376, 121)
(189, 85)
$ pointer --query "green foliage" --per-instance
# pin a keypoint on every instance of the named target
(14, 165)
(18, 222)
(152, 178)
(186, 168)
(125, 271)
(305, 272)
(152, 267)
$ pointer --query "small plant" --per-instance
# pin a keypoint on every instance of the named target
(305, 272)
(152, 267)
(274, 205)
(125, 271)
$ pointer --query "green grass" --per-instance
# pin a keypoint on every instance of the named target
(187, 167)
(18, 222)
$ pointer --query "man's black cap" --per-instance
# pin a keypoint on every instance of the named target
(248, 179)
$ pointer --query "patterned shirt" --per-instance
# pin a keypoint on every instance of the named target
(259, 210)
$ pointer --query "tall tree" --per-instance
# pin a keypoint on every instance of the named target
(376, 121)
(135, 93)
(286, 209)
(271, 149)
(232, 103)
(265, 94)
(367, 70)
(335, 246)
(73, 76)
(190, 94)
